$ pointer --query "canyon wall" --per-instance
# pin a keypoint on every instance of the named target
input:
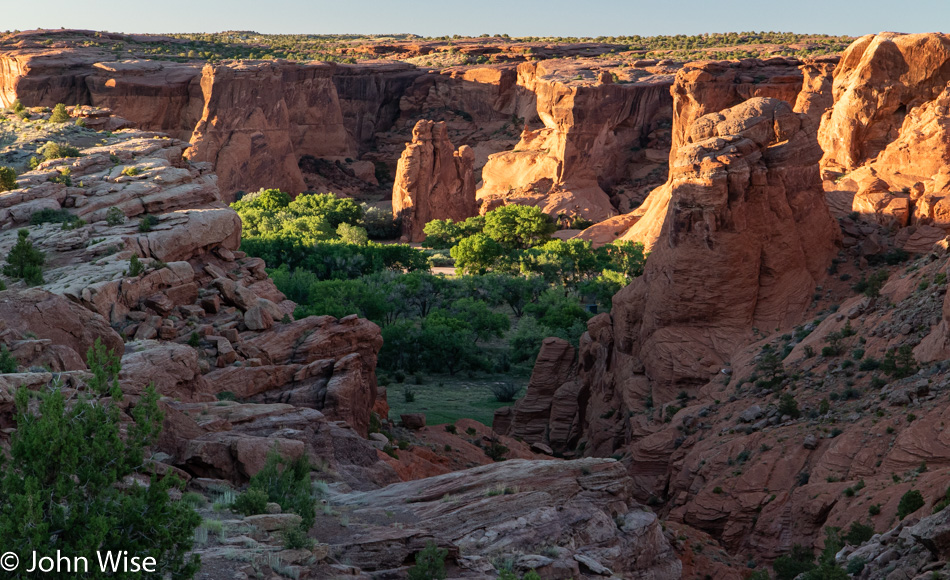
(592, 129)
(581, 137)
(433, 181)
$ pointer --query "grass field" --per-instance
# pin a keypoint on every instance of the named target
(446, 399)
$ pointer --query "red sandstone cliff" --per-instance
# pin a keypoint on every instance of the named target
(591, 129)
(433, 181)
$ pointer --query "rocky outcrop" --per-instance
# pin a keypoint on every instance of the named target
(914, 548)
(747, 236)
(592, 129)
(885, 139)
(700, 89)
(879, 80)
(253, 120)
(816, 95)
(710, 87)
(433, 181)
(43, 321)
(548, 412)
(581, 510)
(196, 318)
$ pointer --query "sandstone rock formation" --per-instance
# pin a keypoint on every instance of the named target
(879, 80)
(201, 321)
(583, 510)
(585, 144)
(548, 413)
(433, 181)
(253, 121)
(709, 87)
(885, 139)
(747, 237)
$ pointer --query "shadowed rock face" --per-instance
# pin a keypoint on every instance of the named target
(582, 509)
(745, 238)
(433, 181)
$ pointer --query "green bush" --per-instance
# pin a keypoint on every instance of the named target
(62, 493)
(430, 563)
(287, 483)
(52, 150)
(131, 171)
(24, 261)
(115, 216)
(251, 502)
(799, 560)
(296, 538)
(59, 114)
(351, 234)
(147, 222)
(51, 216)
(7, 179)
(856, 565)
(379, 223)
(8, 364)
(788, 406)
(874, 509)
(910, 502)
(871, 286)
(505, 392)
(900, 362)
(858, 533)
(519, 226)
(136, 267)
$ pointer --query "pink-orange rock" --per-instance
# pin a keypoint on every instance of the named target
(816, 95)
(589, 135)
(50, 316)
(700, 89)
(747, 236)
(433, 181)
(880, 79)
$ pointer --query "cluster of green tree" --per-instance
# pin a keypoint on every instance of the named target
(515, 285)
(321, 233)
(67, 485)
(517, 239)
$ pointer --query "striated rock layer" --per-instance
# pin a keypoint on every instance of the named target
(592, 128)
(708, 87)
(746, 237)
(433, 181)
(582, 511)
(201, 321)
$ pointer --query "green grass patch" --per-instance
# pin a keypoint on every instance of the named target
(456, 398)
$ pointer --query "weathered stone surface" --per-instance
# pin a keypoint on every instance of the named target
(433, 181)
(879, 80)
(537, 502)
(52, 317)
(531, 419)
